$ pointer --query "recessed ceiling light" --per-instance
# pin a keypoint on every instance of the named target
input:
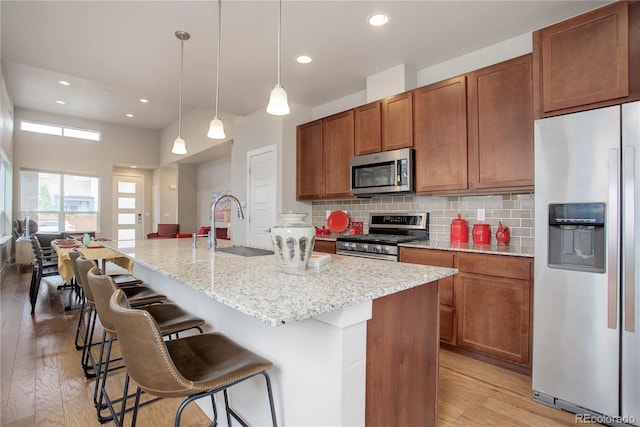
(303, 59)
(64, 83)
(143, 100)
(129, 115)
(61, 102)
(378, 19)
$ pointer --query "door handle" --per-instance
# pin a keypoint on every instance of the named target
(613, 239)
(628, 180)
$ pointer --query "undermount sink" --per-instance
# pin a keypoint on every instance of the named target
(244, 251)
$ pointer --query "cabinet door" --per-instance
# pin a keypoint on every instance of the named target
(440, 126)
(337, 141)
(501, 126)
(309, 169)
(494, 316)
(368, 128)
(585, 59)
(397, 121)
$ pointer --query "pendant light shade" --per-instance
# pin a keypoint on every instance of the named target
(179, 147)
(278, 103)
(216, 128)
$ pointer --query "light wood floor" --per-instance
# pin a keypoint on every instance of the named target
(42, 383)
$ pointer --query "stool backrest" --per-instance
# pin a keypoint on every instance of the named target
(84, 266)
(102, 287)
(145, 354)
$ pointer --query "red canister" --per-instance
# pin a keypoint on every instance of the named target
(481, 234)
(459, 230)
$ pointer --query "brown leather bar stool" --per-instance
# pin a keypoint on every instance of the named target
(170, 318)
(190, 367)
(138, 295)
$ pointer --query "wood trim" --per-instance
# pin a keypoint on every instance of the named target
(402, 359)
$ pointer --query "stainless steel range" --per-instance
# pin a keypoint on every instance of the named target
(386, 231)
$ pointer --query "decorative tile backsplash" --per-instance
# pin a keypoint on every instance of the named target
(515, 210)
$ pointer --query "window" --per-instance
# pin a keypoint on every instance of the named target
(60, 202)
(5, 197)
(49, 129)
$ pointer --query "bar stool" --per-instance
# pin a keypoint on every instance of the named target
(138, 295)
(170, 318)
(190, 367)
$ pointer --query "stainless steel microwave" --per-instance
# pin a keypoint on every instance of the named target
(387, 172)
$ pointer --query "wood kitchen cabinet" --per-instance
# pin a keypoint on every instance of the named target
(440, 132)
(588, 61)
(445, 290)
(327, 246)
(500, 127)
(324, 148)
(337, 150)
(309, 172)
(493, 305)
(368, 128)
(397, 121)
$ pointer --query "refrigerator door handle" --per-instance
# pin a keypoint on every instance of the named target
(613, 239)
(628, 171)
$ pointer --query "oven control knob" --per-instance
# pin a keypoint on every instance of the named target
(354, 246)
(365, 247)
(378, 249)
(386, 250)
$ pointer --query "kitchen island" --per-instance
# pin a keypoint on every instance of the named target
(352, 328)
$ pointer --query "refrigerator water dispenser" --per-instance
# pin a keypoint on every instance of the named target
(576, 237)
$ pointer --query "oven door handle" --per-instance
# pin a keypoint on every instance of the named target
(381, 257)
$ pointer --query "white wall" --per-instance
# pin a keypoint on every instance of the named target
(120, 145)
(187, 193)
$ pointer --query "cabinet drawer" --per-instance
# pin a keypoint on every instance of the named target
(427, 257)
(495, 265)
(327, 246)
(446, 290)
(446, 324)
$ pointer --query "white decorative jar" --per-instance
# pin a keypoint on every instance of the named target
(293, 240)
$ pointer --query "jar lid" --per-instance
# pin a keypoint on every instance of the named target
(293, 217)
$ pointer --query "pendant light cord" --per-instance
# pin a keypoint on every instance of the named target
(279, 36)
(218, 61)
(181, 71)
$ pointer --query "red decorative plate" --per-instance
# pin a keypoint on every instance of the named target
(338, 221)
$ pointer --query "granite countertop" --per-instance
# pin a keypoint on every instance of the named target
(494, 249)
(258, 287)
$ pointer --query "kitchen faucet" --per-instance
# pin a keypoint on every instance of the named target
(213, 217)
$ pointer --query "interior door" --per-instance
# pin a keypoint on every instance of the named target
(263, 169)
(128, 207)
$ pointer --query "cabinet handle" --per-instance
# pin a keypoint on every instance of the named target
(629, 171)
(612, 240)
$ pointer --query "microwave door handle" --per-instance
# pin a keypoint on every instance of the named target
(398, 173)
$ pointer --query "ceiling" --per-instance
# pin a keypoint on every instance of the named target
(115, 52)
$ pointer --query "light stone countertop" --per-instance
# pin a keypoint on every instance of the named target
(258, 287)
(494, 249)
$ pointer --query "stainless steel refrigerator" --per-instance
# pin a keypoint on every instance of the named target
(586, 305)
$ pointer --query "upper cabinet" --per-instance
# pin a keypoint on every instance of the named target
(368, 128)
(588, 61)
(309, 175)
(500, 128)
(324, 148)
(440, 126)
(337, 141)
(397, 121)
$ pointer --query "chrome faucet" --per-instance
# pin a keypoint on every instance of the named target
(214, 244)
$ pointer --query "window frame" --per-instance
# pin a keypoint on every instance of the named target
(61, 213)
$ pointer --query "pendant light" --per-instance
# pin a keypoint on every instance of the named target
(216, 128)
(179, 146)
(278, 104)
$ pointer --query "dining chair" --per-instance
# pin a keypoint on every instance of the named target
(191, 367)
(171, 319)
(43, 266)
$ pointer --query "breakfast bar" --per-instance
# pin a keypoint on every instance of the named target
(354, 342)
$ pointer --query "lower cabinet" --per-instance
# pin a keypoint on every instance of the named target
(327, 246)
(488, 309)
(446, 285)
